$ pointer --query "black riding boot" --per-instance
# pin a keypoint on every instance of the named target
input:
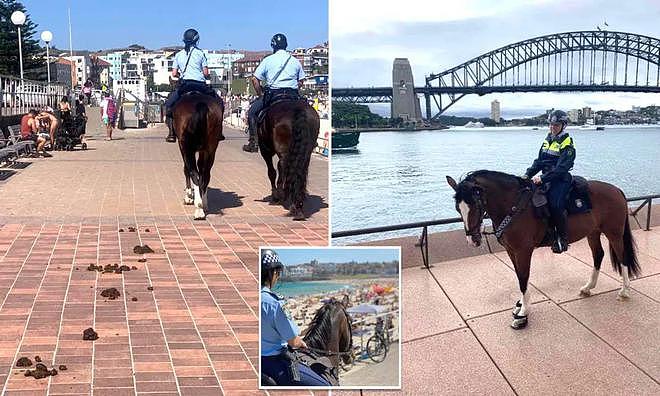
(171, 137)
(251, 147)
(560, 244)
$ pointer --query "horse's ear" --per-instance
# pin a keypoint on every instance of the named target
(452, 182)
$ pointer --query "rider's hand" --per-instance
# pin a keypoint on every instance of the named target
(303, 345)
(537, 180)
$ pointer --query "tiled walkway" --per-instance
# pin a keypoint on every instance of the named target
(458, 340)
(185, 320)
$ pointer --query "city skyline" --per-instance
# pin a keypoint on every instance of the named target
(124, 23)
(296, 256)
(446, 35)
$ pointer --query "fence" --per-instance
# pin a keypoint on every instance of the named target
(424, 225)
(20, 96)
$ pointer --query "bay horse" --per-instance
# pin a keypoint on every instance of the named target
(289, 130)
(330, 333)
(197, 121)
(505, 198)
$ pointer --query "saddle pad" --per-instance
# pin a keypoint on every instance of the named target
(578, 198)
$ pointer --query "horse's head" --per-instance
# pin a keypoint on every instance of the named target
(331, 332)
(470, 205)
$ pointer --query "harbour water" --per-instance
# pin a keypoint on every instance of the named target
(399, 177)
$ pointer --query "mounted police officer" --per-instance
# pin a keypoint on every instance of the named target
(190, 66)
(556, 158)
(281, 74)
(279, 331)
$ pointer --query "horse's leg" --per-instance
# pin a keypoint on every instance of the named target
(188, 194)
(195, 179)
(281, 163)
(204, 164)
(598, 254)
(272, 173)
(521, 262)
(616, 253)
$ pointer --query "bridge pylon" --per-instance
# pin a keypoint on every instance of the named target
(405, 103)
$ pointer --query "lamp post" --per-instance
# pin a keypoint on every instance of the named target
(18, 19)
(47, 37)
(230, 70)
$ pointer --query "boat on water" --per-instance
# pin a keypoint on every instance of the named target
(471, 124)
(345, 140)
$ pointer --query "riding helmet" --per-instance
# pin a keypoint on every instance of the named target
(557, 116)
(278, 42)
(270, 260)
(190, 36)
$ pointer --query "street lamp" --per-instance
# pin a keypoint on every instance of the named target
(18, 19)
(230, 71)
(47, 37)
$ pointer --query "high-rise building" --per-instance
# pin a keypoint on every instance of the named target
(495, 113)
(574, 115)
(586, 112)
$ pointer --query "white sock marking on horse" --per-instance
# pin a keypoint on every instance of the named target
(586, 289)
(524, 300)
(625, 289)
(198, 197)
(188, 196)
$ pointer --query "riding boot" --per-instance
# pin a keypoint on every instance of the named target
(560, 244)
(171, 137)
(251, 147)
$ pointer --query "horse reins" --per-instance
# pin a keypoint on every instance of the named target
(518, 208)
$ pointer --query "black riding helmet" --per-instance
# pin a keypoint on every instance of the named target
(278, 42)
(270, 263)
(190, 36)
(558, 116)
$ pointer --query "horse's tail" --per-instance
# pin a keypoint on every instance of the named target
(300, 152)
(197, 124)
(629, 259)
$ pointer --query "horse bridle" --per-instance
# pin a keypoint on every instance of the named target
(349, 352)
(518, 208)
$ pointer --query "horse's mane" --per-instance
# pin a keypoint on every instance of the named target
(464, 188)
(319, 330)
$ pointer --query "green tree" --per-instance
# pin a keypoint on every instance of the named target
(34, 65)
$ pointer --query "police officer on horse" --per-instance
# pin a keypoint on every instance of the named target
(190, 66)
(555, 159)
(282, 75)
(278, 332)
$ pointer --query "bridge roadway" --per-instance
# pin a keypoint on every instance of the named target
(196, 332)
(457, 339)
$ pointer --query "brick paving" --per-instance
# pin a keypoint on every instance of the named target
(196, 331)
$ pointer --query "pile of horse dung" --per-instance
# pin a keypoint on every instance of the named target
(110, 293)
(90, 335)
(109, 268)
(142, 249)
(40, 370)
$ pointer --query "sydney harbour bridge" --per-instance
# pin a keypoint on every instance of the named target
(583, 61)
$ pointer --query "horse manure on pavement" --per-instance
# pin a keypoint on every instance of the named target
(24, 362)
(134, 299)
(40, 371)
(62, 367)
(134, 268)
(142, 260)
(90, 335)
(150, 288)
(37, 359)
(121, 230)
(111, 293)
(131, 229)
(142, 249)
(146, 230)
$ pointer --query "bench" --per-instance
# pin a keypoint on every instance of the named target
(15, 142)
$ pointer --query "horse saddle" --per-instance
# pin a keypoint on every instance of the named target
(321, 365)
(277, 96)
(578, 198)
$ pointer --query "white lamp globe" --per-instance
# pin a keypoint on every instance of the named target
(47, 36)
(18, 18)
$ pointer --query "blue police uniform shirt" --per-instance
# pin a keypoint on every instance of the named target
(195, 65)
(271, 65)
(276, 325)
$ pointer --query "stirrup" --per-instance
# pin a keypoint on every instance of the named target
(170, 138)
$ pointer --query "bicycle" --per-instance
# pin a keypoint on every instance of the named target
(378, 345)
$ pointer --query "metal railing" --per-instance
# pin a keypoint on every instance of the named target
(423, 244)
(20, 96)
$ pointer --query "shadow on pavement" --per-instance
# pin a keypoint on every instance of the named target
(218, 200)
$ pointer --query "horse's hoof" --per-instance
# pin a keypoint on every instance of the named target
(188, 201)
(623, 295)
(519, 322)
(584, 292)
(516, 308)
(199, 214)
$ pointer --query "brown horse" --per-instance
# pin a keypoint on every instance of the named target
(289, 130)
(330, 333)
(197, 121)
(505, 198)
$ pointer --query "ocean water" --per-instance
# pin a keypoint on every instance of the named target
(292, 289)
(399, 177)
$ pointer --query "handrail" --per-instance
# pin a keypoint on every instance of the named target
(423, 238)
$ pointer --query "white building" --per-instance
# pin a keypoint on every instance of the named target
(135, 86)
(495, 113)
(574, 115)
(81, 68)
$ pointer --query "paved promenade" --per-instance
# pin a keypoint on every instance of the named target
(185, 320)
(457, 339)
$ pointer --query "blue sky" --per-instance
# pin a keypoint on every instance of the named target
(245, 24)
(299, 256)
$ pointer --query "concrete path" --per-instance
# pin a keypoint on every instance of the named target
(185, 321)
